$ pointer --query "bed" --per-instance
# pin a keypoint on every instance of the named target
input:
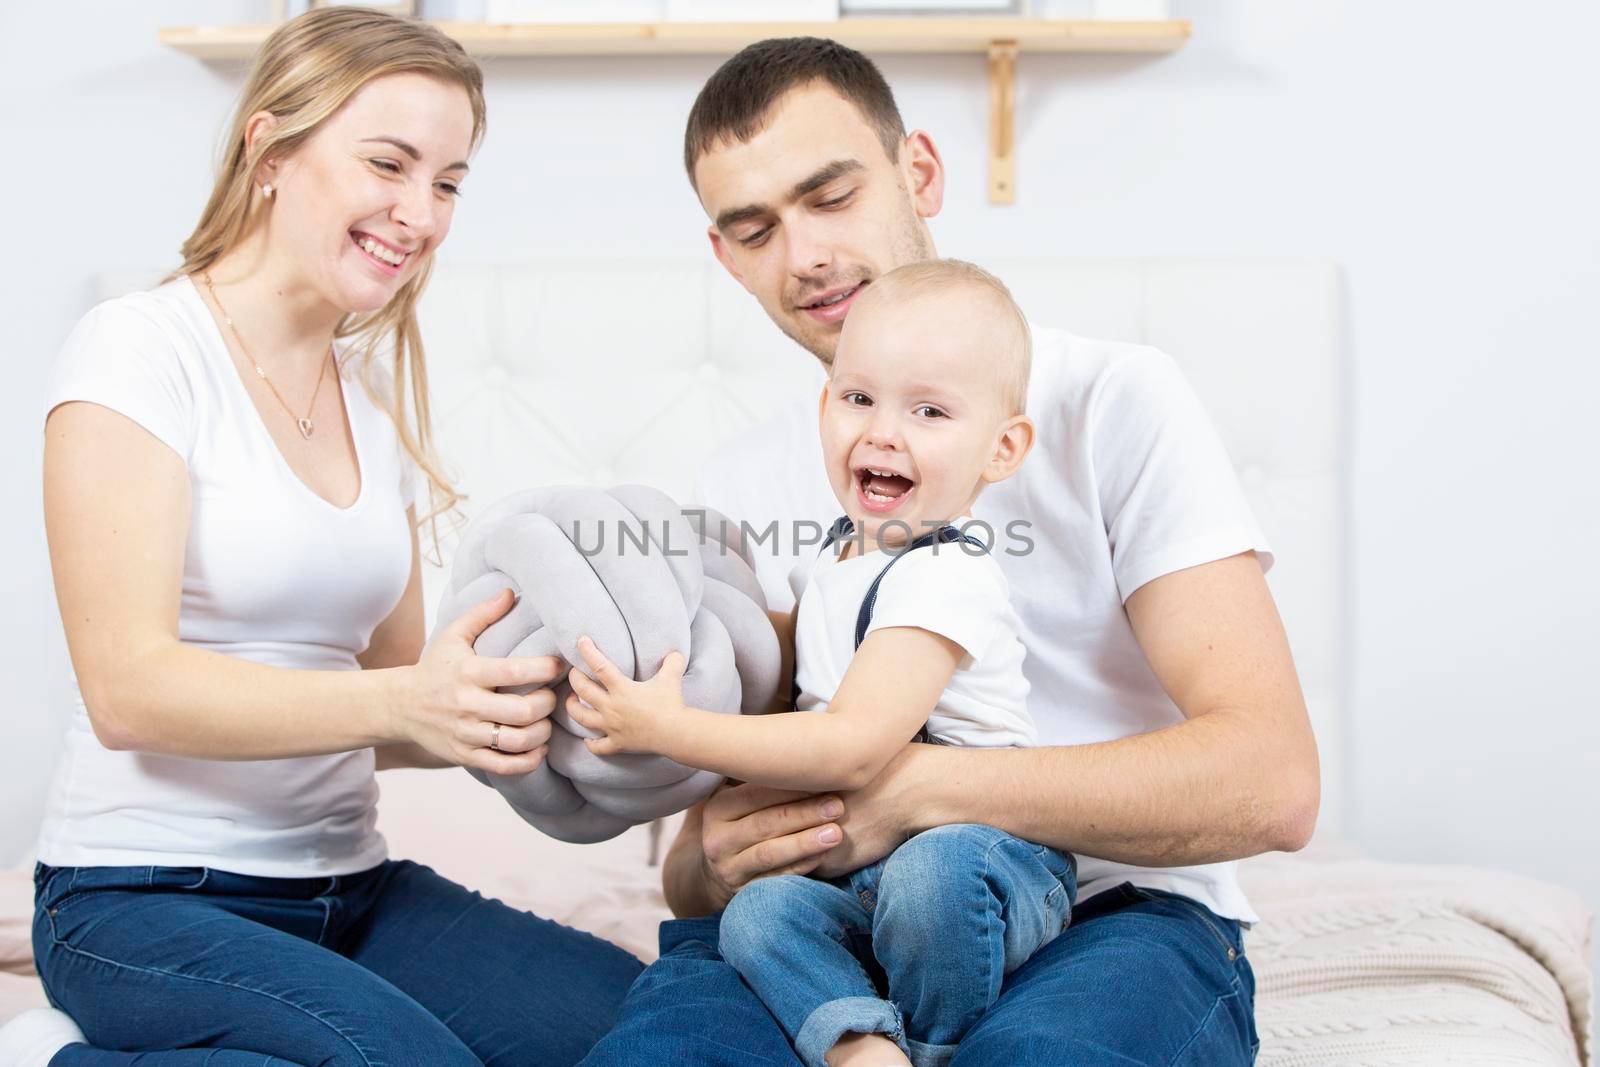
(1358, 962)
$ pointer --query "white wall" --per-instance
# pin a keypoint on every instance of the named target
(1435, 149)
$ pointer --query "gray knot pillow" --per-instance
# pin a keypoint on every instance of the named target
(643, 578)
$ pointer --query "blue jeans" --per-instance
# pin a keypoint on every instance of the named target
(175, 967)
(938, 923)
(1140, 977)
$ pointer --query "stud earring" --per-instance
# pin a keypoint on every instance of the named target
(266, 190)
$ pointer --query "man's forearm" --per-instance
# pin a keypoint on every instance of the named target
(1202, 791)
(683, 876)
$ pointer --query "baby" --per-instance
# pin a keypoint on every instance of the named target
(903, 630)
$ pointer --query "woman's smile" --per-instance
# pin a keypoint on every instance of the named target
(383, 256)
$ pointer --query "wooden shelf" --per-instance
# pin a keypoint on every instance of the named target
(1002, 40)
(923, 35)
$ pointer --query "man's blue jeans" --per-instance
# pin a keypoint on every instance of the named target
(177, 967)
(1140, 977)
(938, 923)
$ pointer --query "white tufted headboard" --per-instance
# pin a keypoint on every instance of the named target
(635, 370)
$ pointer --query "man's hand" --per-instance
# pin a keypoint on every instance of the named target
(631, 715)
(751, 831)
(745, 832)
(878, 818)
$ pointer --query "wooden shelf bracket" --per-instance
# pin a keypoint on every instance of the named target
(1002, 122)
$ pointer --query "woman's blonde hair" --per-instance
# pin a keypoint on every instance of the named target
(305, 72)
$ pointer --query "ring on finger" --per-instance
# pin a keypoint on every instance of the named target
(494, 737)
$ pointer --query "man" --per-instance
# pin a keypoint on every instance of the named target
(1175, 735)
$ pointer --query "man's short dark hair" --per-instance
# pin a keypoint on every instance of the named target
(734, 102)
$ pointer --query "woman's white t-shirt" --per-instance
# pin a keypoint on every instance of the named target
(272, 573)
(955, 590)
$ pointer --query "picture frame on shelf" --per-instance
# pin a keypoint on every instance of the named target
(1132, 10)
(752, 10)
(525, 12)
(1061, 9)
(407, 8)
(867, 8)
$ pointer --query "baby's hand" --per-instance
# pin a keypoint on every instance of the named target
(632, 715)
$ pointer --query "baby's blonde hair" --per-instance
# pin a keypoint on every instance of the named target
(1013, 350)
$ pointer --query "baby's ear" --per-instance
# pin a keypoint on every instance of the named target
(1011, 448)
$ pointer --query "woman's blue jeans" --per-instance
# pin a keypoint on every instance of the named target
(937, 925)
(1140, 977)
(176, 967)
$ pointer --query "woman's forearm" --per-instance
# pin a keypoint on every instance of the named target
(179, 700)
(404, 755)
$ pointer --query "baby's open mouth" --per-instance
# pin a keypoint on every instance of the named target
(881, 489)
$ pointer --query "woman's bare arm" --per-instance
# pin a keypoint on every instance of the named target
(398, 642)
(117, 511)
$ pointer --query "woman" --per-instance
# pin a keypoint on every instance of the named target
(236, 563)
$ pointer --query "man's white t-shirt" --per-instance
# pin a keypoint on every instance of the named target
(954, 590)
(272, 573)
(1128, 481)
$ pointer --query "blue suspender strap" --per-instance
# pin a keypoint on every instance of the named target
(843, 528)
(840, 529)
(944, 535)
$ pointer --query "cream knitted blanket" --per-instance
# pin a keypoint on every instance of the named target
(1366, 964)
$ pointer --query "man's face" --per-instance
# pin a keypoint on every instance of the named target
(811, 209)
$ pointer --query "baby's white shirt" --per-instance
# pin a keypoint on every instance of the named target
(955, 590)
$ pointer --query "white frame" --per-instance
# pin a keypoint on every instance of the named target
(930, 7)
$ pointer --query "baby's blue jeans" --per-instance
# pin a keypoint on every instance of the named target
(915, 946)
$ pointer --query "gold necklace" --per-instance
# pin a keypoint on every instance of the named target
(306, 426)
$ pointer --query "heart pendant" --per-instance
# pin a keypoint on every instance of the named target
(307, 428)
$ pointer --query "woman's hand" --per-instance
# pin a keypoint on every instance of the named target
(448, 704)
(632, 715)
